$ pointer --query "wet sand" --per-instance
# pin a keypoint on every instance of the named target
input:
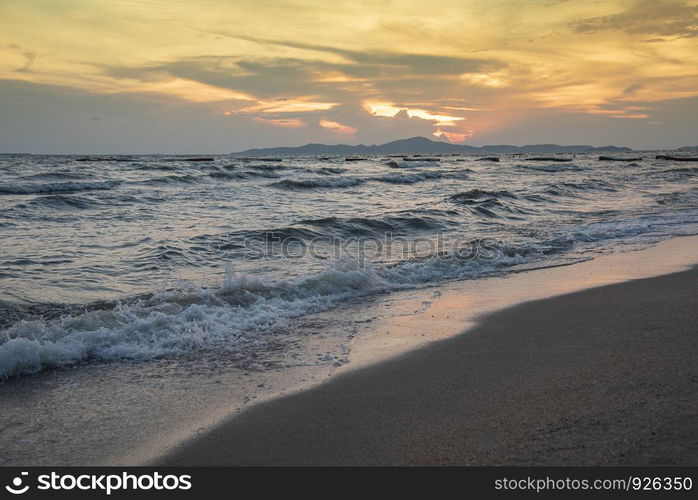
(605, 376)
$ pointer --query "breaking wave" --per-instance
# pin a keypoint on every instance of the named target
(232, 317)
(409, 178)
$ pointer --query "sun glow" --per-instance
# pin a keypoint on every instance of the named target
(390, 111)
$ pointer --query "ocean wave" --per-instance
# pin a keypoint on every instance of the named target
(158, 166)
(319, 182)
(238, 243)
(231, 243)
(244, 174)
(60, 202)
(490, 204)
(558, 167)
(321, 229)
(536, 198)
(408, 178)
(678, 198)
(493, 209)
(592, 184)
(265, 174)
(52, 175)
(57, 187)
(328, 170)
(479, 194)
(172, 179)
(574, 189)
(233, 317)
(412, 164)
(162, 252)
(562, 191)
(680, 171)
(373, 226)
(267, 166)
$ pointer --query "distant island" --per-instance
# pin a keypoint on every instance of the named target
(422, 145)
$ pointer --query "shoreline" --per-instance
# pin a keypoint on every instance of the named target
(132, 413)
(604, 376)
(417, 318)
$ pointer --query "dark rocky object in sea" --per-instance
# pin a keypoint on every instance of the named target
(677, 158)
(259, 158)
(206, 158)
(117, 158)
(613, 158)
(548, 158)
(489, 158)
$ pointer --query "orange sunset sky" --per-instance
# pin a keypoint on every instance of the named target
(221, 76)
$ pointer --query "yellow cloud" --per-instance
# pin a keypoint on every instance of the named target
(189, 90)
(486, 79)
(282, 122)
(390, 110)
(337, 127)
(289, 106)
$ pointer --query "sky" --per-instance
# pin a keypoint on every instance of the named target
(217, 76)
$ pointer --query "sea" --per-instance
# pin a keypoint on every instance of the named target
(144, 258)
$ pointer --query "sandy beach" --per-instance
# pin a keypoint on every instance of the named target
(605, 376)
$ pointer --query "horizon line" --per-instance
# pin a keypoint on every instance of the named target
(25, 153)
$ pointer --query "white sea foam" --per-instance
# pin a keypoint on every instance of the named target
(412, 164)
(233, 317)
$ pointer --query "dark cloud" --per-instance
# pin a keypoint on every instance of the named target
(648, 17)
(412, 63)
(633, 89)
(29, 57)
(264, 78)
(268, 77)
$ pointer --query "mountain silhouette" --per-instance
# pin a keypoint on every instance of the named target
(422, 145)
